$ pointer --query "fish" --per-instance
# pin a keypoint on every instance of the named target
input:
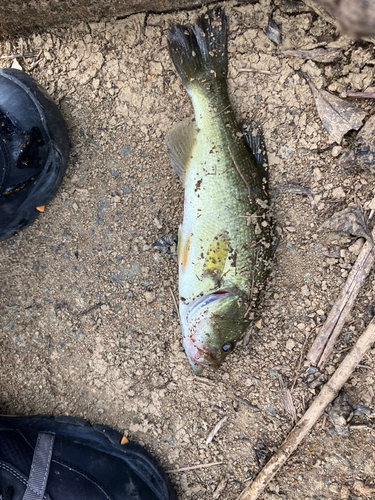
(224, 241)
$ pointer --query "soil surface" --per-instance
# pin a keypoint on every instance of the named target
(88, 325)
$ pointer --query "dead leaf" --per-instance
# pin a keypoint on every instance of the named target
(319, 55)
(273, 32)
(340, 412)
(286, 399)
(348, 222)
(261, 453)
(362, 152)
(338, 116)
(220, 488)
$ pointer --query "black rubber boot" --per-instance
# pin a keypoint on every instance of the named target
(65, 458)
(34, 150)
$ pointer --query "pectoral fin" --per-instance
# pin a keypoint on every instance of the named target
(180, 142)
(216, 257)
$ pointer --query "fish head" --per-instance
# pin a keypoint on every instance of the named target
(211, 327)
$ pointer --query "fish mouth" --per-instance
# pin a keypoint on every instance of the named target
(199, 357)
(202, 358)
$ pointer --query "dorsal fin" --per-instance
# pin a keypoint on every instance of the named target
(254, 140)
(180, 141)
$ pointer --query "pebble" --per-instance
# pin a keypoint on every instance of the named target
(338, 193)
(258, 324)
(317, 174)
(336, 150)
(9, 326)
(150, 297)
(357, 246)
(290, 344)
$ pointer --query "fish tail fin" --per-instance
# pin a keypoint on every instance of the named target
(200, 52)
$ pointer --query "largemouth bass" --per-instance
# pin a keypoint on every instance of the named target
(224, 240)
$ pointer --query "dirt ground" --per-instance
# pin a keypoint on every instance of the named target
(87, 321)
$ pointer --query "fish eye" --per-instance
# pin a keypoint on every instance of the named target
(228, 346)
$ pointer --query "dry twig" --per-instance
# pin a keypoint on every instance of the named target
(175, 304)
(216, 429)
(361, 95)
(241, 175)
(316, 410)
(245, 402)
(252, 70)
(324, 342)
(220, 488)
(200, 466)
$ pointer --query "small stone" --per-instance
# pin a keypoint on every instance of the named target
(305, 290)
(291, 229)
(150, 297)
(336, 150)
(158, 224)
(356, 248)
(126, 150)
(344, 493)
(290, 344)
(338, 193)
(258, 324)
(9, 326)
(320, 312)
(16, 65)
(75, 206)
(317, 174)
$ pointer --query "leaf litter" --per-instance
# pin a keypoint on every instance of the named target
(361, 153)
(338, 116)
(348, 222)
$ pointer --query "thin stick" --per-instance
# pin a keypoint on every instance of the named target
(175, 304)
(242, 177)
(17, 56)
(245, 402)
(252, 70)
(316, 410)
(324, 342)
(92, 308)
(201, 466)
(216, 429)
(361, 95)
